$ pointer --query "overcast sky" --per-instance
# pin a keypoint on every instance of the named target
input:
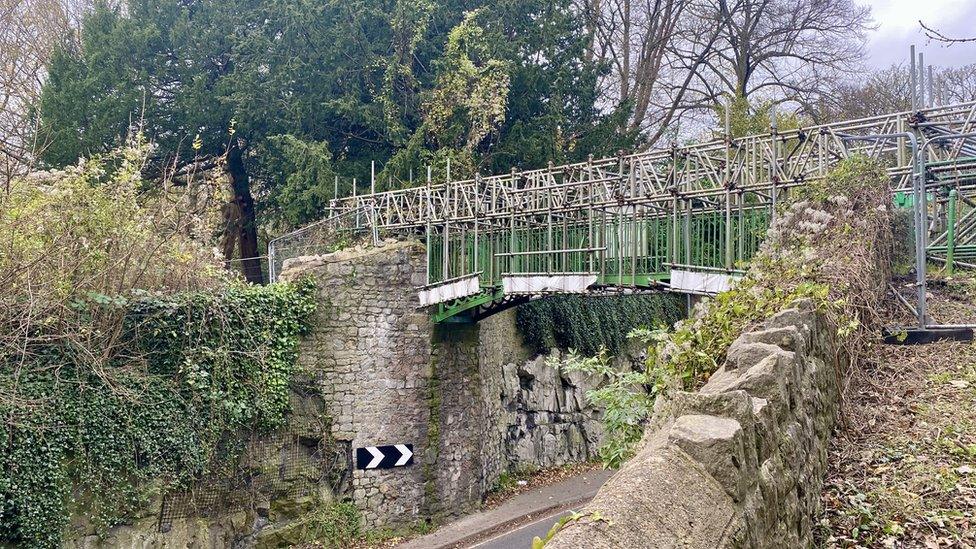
(898, 28)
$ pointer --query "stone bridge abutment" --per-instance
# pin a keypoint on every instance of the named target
(471, 399)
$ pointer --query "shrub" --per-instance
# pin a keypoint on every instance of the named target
(128, 358)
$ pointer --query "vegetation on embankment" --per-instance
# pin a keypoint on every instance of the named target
(822, 245)
(128, 360)
(903, 470)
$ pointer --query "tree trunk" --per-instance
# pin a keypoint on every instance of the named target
(248, 236)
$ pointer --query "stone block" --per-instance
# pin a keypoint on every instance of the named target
(719, 445)
(670, 495)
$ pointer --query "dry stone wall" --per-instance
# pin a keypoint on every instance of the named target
(739, 463)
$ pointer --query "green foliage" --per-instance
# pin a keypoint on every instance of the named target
(789, 268)
(331, 526)
(849, 178)
(466, 105)
(189, 373)
(746, 119)
(625, 396)
(90, 227)
(490, 83)
(307, 179)
(589, 324)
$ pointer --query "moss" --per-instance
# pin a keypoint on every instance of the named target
(330, 526)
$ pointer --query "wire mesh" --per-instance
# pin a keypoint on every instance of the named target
(333, 233)
(276, 466)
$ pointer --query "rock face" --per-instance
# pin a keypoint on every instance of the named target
(281, 477)
(547, 419)
(738, 464)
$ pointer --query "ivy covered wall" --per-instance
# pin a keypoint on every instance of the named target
(587, 323)
(189, 374)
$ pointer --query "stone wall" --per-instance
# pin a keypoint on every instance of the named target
(739, 463)
(470, 398)
(370, 352)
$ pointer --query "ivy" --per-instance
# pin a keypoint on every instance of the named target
(190, 373)
(588, 324)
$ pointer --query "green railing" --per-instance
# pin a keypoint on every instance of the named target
(634, 252)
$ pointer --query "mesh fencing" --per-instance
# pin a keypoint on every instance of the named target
(272, 467)
(333, 233)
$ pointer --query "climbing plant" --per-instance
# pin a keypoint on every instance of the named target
(191, 371)
(129, 359)
(588, 324)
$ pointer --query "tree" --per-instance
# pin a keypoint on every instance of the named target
(635, 38)
(889, 90)
(30, 30)
(287, 94)
(955, 84)
(675, 63)
(159, 67)
(880, 92)
(767, 50)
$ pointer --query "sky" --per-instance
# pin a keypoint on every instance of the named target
(898, 28)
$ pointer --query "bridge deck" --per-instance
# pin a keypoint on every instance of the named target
(627, 222)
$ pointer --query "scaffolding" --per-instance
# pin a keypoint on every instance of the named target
(633, 222)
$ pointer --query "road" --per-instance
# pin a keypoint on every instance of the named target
(514, 523)
(521, 538)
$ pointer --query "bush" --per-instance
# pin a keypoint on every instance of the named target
(128, 359)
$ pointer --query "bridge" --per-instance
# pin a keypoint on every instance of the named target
(687, 219)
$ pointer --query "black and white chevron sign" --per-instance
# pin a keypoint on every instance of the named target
(384, 457)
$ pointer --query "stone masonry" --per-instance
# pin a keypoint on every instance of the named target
(370, 352)
(739, 463)
(470, 398)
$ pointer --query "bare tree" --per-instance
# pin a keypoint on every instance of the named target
(639, 40)
(29, 32)
(955, 84)
(889, 90)
(775, 50)
(634, 37)
(883, 91)
(939, 36)
(674, 62)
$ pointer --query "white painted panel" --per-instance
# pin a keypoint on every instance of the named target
(701, 282)
(450, 291)
(540, 284)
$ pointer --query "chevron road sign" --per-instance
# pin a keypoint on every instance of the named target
(384, 457)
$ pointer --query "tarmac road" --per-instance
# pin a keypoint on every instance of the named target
(521, 538)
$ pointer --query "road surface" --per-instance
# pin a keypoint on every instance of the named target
(521, 538)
